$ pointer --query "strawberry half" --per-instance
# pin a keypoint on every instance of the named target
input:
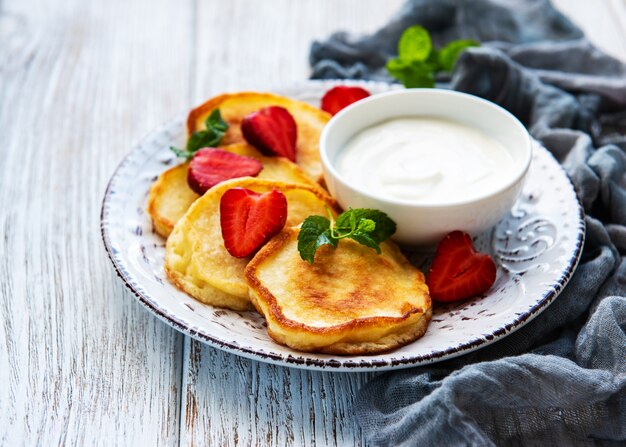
(342, 96)
(272, 130)
(249, 219)
(458, 271)
(211, 166)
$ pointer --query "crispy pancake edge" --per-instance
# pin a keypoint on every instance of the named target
(180, 279)
(213, 103)
(162, 225)
(219, 298)
(416, 318)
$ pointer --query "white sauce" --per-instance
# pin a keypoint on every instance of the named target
(424, 160)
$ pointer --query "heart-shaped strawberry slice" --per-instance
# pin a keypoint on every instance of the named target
(458, 271)
(249, 219)
(211, 166)
(272, 130)
(340, 97)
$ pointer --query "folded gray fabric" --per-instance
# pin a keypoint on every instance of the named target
(515, 21)
(561, 379)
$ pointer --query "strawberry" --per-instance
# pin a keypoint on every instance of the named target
(458, 271)
(342, 96)
(249, 219)
(272, 130)
(210, 166)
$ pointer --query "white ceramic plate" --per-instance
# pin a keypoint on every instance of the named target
(536, 247)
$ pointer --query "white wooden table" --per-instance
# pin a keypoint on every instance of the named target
(81, 362)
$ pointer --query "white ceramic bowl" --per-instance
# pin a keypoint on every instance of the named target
(425, 224)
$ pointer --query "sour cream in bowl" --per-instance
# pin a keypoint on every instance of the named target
(434, 160)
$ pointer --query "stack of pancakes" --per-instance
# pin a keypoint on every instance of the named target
(350, 301)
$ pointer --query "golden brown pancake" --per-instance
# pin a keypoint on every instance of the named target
(234, 107)
(350, 301)
(170, 196)
(195, 257)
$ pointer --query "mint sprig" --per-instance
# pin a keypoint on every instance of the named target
(215, 130)
(366, 226)
(418, 61)
(451, 52)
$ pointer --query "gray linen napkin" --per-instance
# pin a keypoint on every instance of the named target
(561, 379)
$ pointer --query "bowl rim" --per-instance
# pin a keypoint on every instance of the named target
(329, 167)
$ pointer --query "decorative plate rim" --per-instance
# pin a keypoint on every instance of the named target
(295, 361)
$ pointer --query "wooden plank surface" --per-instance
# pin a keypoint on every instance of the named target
(603, 21)
(82, 362)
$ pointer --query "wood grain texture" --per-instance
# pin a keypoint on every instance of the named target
(603, 21)
(81, 362)
(235, 401)
(270, 47)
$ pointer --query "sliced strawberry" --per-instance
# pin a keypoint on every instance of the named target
(249, 219)
(342, 96)
(211, 166)
(458, 271)
(272, 130)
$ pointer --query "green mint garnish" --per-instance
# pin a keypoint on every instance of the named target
(418, 62)
(215, 130)
(451, 52)
(415, 44)
(366, 226)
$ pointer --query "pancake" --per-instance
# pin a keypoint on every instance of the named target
(234, 107)
(350, 301)
(169, 199)
(195, 257)
(170, 195)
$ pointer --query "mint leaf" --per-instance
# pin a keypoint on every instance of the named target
(412, 74)
(202, 138)
(451, 52)
(215, 130)
(314, 232)
(366, 225)
(418, 61)
(326, 239)
(414, 44)
(365, 239)
(384, 225)
(352, 222)
(215, 122)
(181, 152)
(433, 59)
